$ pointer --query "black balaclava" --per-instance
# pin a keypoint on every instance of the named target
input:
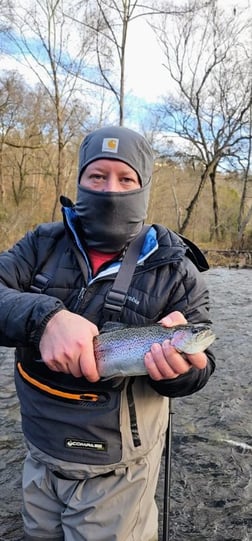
(110, 220)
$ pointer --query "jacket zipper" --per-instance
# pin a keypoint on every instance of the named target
(79, 300)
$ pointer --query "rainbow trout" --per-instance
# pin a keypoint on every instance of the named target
(120, 352)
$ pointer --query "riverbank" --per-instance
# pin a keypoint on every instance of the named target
(232, 259)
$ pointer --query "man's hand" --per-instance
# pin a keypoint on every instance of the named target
(164, 362)
(67, 345)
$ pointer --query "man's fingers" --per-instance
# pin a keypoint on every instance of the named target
(164, 362)
(88, 364)
(153, 369)
(199, 360)
(174, 318)
(157, 365)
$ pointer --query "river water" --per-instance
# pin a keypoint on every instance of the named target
(211, 468)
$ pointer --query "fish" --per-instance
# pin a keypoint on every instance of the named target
(120, 352)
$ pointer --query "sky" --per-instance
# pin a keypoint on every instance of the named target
(146, 76)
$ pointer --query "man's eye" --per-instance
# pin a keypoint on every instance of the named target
(97, 176)
(127, 180)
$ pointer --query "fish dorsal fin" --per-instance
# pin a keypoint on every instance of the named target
(113, 326)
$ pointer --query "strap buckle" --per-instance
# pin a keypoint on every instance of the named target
(114, 303)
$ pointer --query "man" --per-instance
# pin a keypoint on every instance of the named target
(94, 446)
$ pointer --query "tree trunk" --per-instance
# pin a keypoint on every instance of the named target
(215, 230)
(194, 200)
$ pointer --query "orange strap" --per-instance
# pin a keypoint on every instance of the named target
(89, 397)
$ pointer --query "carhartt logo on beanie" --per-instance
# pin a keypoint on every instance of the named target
(118, 143)
(110, 145)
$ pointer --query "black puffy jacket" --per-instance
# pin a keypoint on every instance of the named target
(165, 280)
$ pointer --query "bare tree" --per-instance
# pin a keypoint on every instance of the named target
(6, 7)
(22, 124)
(245, 215)
(110, 26)
(44, 42)
(12, 91)
(208, 65)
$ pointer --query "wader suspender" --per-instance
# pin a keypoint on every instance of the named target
(116, 297)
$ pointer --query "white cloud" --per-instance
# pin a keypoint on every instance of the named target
(146, 77)
(11, 64)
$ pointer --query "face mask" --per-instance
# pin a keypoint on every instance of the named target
(110, 220)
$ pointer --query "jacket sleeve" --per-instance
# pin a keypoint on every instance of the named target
(190, 296)
(22, 313)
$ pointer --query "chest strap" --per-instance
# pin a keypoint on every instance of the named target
(116, 297)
